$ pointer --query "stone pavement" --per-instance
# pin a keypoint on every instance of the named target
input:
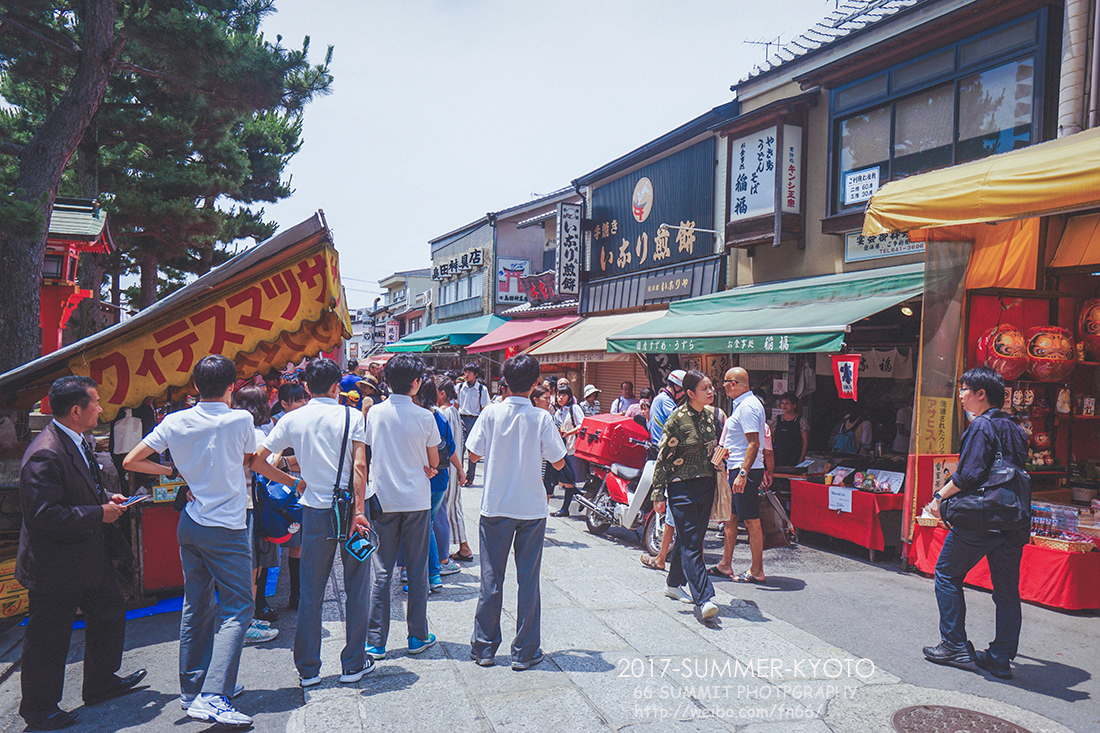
(619, 655)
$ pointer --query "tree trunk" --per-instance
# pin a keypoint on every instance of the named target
(40, 168)
(148, 262)
(116, 296)
(88, 318)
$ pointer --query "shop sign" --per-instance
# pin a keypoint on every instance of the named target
(292, 305)
(569, 249)
(667, 286)
(858, 246)
(846, 375)
(378, 335)
(539, 289)
(393, 331)
(877, 363)
(454, 266)
(840, 499)
(509, 272)
(759, 168)
(353, 350)
(860, 185)
(778, 343)
(934, 425)
(628, 212)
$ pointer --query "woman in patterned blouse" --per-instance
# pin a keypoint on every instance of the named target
(685, 474)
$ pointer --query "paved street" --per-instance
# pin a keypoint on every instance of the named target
(831, 643)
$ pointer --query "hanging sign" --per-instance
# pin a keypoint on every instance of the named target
(509, 272)
(569, 249)
(846, 374)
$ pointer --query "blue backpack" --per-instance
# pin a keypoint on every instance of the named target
(276, 509)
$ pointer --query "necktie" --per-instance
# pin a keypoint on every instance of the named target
(93, 466)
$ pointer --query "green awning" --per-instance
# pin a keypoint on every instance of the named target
(797, 316)
(448, 335)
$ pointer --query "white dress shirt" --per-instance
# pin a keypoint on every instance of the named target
(399, 433)
(472, 399)
(515, 437)
(315, 431)
(209, 442)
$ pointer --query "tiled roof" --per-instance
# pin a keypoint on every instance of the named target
(526, 309)
(849, 17)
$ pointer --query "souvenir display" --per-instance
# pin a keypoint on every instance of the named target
(1018, 400)
(1040, 440)
(1050, 351)
(1004, 350)
(1040, 408)
(1063, 405)
(1088, 328)
(1029, 398)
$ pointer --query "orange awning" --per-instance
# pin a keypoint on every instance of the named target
(1080, 243)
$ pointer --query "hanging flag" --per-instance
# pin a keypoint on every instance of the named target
(846, 374)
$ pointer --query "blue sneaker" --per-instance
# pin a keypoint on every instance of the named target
(416, 646)
(435, 584)
(375, 652)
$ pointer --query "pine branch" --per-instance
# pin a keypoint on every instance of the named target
(47, 35)
(11, 149)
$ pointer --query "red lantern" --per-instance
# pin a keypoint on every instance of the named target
(1004, 350)
(1088, 328)
(1050, 350)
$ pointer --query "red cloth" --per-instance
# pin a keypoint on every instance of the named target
(810, 511)
(1069, 580)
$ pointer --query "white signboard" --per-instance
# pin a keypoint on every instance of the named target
(860, 185)
(791, 172)
(509, 272)
(753, 175)
(569, 249)
(393, 331)
(858, 246)
(840, 499)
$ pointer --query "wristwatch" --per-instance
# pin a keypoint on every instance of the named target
(937, 496)
(743, 472)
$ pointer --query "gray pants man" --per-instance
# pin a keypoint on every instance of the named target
(498, 535)
(408, 530)
(318, 553)
(209, 660)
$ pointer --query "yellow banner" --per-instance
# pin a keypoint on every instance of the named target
(281, 316)
(934, 425)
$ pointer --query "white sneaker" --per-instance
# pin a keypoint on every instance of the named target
(356, 675)
(186, 700)
(708, 610)
(448, 568)
(217, 709)
(678, 594)
(257, 634)
(309, 681)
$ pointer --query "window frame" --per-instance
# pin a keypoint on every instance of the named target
(1036, 50)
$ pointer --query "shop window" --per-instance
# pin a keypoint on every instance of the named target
(966, 101)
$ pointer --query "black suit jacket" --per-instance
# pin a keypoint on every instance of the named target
(62, 543)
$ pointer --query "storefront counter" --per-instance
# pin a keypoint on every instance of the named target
(158, 548)
(1069, 580)
(874, 522)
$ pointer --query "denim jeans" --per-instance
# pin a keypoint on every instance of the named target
(433, 549)
(962, 550)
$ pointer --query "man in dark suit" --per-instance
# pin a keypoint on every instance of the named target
(64, 561)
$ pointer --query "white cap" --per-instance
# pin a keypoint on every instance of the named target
(677, 377)
(589, 390)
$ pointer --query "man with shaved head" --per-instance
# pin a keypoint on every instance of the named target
(743, 432)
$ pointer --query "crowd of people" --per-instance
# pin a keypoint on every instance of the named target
(379, 457)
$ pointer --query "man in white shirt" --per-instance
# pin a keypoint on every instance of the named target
(403, 439)
(742, 436)
(517, 437)
(210, 445)
(317, 432)
(625, 400)
(473, 397)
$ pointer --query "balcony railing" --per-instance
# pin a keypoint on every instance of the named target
(467, 307)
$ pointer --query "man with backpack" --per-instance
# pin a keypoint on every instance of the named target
(330, 444)
(473, 397)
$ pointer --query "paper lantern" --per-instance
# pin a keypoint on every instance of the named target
(1050, 351)
(1088, 328)
(1004, 350)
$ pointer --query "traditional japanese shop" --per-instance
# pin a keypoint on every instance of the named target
(783, 334)
(1012, 281)
(265, 309)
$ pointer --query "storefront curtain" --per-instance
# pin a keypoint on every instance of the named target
(1004, 255)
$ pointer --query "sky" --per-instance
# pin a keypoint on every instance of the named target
(444, 110)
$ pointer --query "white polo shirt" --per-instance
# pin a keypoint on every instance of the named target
(746, 416)
(208, 443)
(399, 433)
(515, 437)
(315, 431)
(472, 399)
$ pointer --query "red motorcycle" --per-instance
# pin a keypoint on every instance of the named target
(617, 493)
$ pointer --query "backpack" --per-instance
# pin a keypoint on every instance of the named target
(845, 440)
(277, 513)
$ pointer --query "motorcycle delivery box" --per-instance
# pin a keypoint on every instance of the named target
(605, 439)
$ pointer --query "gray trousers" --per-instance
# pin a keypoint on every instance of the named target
(318, 553)
(497, 536)
(212, 635)
(407, 530)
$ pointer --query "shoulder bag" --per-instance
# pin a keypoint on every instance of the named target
(343, 498)
(1002, 503)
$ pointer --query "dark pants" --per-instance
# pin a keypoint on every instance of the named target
(49, 631)
(690, 502)
(962, 550)
(468, 425)
(498, 535)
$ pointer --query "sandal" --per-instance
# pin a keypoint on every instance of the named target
(651, 562)
(462, 558)
(714, 572)
(747, 577)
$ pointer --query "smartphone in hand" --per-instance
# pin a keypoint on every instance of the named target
(136, 499)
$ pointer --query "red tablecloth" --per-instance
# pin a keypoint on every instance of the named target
(810, 511)
(1069, 580)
